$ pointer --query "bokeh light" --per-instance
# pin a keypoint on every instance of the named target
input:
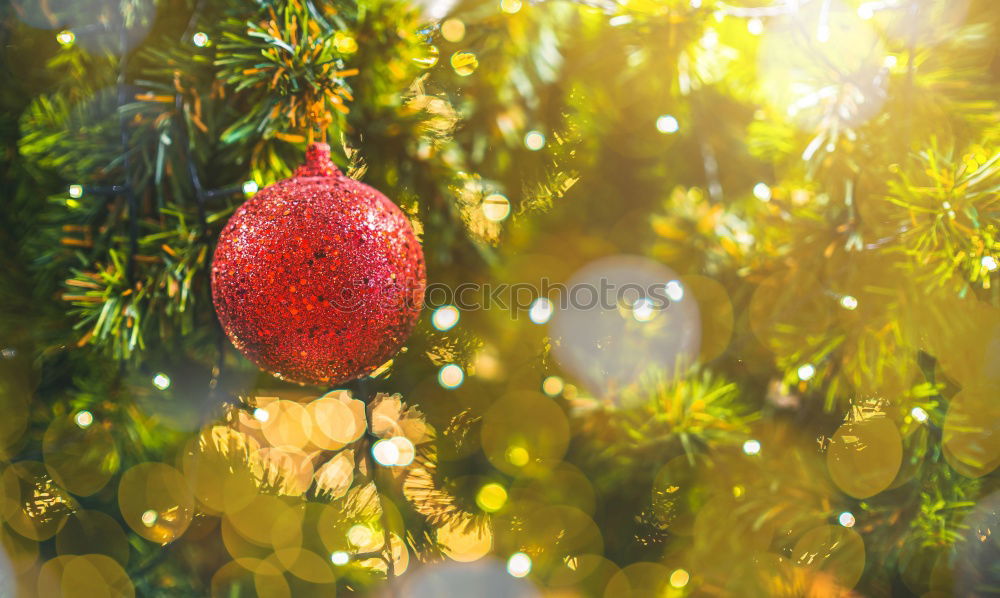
(200, 39)
(83, 575)
(453, 30)
(386, 453)
(360, 535)
(834, 550)
(289, 424)
(510, 6)
(534, 140)
(464, 541)
(66, 38)
(540, 311)
(76, 191)
(250, 187)
(161, 381)
(604, 350)
(806, 372)
(20, 485)
(969, 436)
(518, 456)
(846, 519)
(451, 376)
(751, 447)
(762, 191)
(464, 63)
(405, 451)
(525, 433)
(491, 497)
(496, 207)
(849, 302)
(864, 456)
(155, 501)
(84, 419)
(823, 69)
(643, 310)
(340, 558)
(519, 564)
(429, 57)
(919, 414)
(674, 290)
(679, 578)
(667, 124)
(445, 317)
(553, 386)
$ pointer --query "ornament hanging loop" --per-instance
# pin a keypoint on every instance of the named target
(318, 162)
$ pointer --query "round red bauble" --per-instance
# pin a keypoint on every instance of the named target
(318, 278)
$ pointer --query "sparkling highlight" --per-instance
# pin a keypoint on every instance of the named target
(519, 564)
(667, 124)
(540, 311)
(161, 381)
(534, 140)
(84, 419)
(451, 376)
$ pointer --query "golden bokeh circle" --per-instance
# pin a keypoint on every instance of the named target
(155, 502)
(31, 502)
(287, 468)
(465, 539)
(336, 422)
(270, 521)
(84, 576)
(334, 478)
(243, 551)
(524, 433)
(962, 334)
(864, 457)
(221, 467)
(971, 435)
(834, 550)
(80, 459)
(288, 424)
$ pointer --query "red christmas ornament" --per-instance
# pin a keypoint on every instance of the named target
(318, 278)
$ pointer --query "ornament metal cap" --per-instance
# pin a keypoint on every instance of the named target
(318, 163)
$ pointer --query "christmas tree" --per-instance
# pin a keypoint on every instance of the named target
(706, 298)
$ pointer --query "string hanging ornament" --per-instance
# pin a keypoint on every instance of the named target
(318, 278)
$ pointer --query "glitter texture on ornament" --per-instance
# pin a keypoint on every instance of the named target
(318, 278)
